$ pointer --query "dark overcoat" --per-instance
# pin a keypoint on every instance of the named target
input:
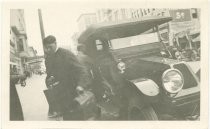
(66, 69)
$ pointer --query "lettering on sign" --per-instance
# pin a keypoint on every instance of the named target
(180, 15)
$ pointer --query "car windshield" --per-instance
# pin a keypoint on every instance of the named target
(133, 41)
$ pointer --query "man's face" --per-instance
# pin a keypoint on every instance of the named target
(50, 49)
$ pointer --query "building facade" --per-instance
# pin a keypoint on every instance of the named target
(36, 64)
(74, 44)
(18, 41)
(106, 15)
(182, 19)
(32, 52)
(85, 20)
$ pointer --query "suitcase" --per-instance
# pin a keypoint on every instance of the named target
(83, 107)
(58, 98)
(88, 105)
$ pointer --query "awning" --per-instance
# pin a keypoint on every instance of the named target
(120, 29)
(197, 39)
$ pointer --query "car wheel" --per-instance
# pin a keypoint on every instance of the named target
(145, 113)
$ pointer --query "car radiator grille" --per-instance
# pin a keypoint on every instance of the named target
(189, 80)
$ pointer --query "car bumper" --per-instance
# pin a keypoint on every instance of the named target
(186, 103)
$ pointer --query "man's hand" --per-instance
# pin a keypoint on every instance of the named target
(50, 81)
(80, 90)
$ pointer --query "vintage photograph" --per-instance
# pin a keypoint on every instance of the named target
(105, 64)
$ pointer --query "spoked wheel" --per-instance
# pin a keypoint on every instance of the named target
(145, 113)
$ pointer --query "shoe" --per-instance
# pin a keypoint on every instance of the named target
(51, 115)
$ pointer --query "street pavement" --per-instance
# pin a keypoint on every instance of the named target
(34, 103)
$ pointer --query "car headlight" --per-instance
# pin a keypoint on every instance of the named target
(172, 80)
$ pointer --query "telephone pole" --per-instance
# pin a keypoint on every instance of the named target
(41, 26)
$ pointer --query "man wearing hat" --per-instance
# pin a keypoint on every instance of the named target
(63, 67)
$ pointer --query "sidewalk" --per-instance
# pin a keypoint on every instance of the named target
(34, 103)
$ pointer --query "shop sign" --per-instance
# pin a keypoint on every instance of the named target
(180, 15)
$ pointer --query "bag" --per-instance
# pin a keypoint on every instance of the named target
(88, 105)
(82, 107)
(59, 98)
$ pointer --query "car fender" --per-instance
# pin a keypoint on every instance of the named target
(149, 91)
(147, 86)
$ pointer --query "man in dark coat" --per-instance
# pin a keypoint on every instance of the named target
(63, 67)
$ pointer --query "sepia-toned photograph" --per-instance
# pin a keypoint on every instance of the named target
(121, 64)
(69, 62)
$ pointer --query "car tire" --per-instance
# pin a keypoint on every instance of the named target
(145, 113)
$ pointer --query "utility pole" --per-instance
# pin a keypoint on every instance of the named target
(41, 26)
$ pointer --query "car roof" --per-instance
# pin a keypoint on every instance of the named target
(120, 29)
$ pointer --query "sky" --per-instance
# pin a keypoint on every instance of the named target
(60, 22)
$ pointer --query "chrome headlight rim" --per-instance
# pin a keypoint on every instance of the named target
(164, 74)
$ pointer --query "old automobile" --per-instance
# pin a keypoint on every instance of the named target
(132, 80)
(187, 49)
(195, 39)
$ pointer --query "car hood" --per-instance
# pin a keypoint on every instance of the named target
(150, 67)
(158, 59)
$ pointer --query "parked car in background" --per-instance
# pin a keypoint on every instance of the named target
(131, 78)
(185, 48)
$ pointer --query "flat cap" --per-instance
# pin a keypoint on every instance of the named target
(49, 40)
